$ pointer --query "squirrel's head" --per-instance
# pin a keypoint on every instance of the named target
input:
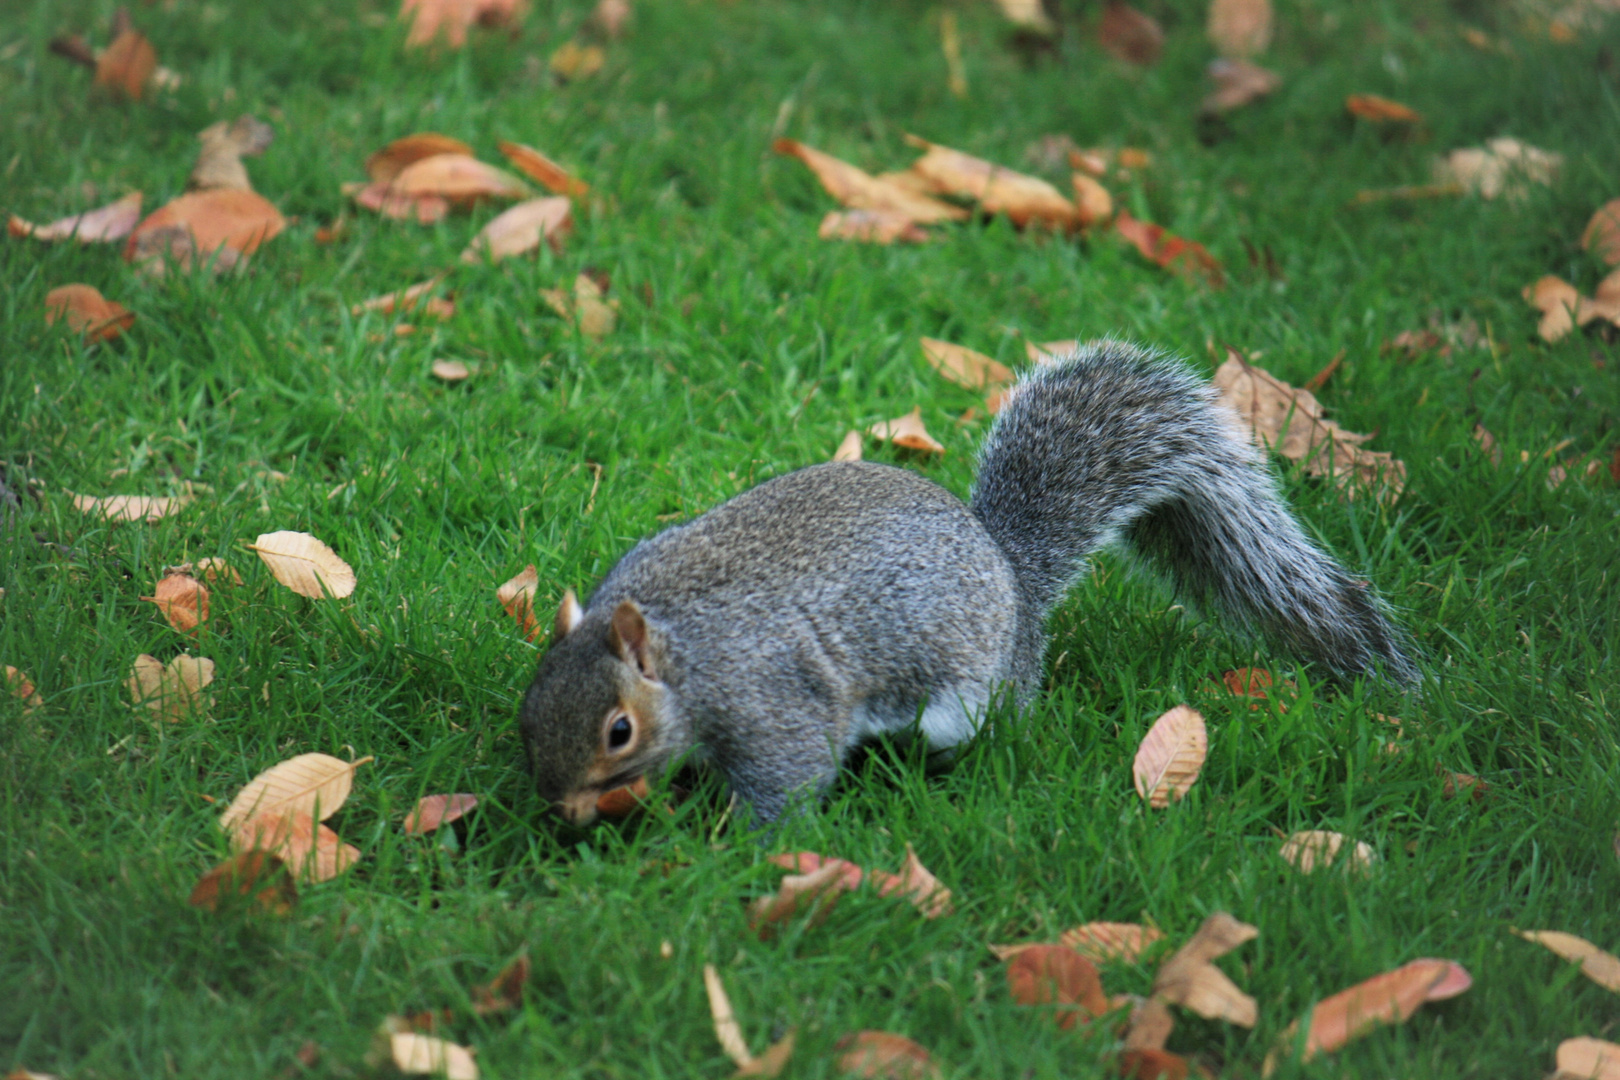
(594, 717)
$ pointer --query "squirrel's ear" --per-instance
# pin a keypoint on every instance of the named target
(568, 616)
(628, 637)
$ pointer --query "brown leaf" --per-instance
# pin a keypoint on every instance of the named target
(1056, 975)
(1602, 234)
(407, 299)
(304, 564)
(1601, 967)
(21, 688)
(964, 367)
(1093, 205)
(882, 1055)
(1103, 941)
(101, 225)
(183, 600)
(1381, 109)
(1150, 1026)
(1247, 682)
(87, 312)
(428, 1055)
(575, 61)
(596, 317)
(1563, 308)
(808, 862)
(907, 432)
(172, 691)
(1171, 756)
(311, 851)
(1586, 1058)
(850, 448)
(1390, 998)
(505, 990)
(1170, 251)
(260, 876)
(450, 20)
(219, 163)
(729, 1033)
(313, 784)
(623, 801)
(460, 179)
(391, 160)
(147, 508)
(126, 64)
(1152, 1064)
(816, 891)
(870, 227)
(611, 17)
(859, 190)
(917, 884)
(433, 811)
(223, 223)
(997, 189)
(1050, 352)
(1503, 167)
(1306, 851)
(1130, 35)
(1237, 83)
(1189, 978)
(1455, 782)
(536, 166)
(517, 597)
(520, 229)
(1240, 28)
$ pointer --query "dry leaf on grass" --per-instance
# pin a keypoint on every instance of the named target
(595, 316)
(1602, 234)
(450, 371)
(611, 17)
(882, 1055)
(519, 230)
(407, 300)
(517, 597)
(1171, 756)
(1390, 998)
(304, 564)
(1247, 682)
(849, 449)
(1191, 980)
(259, 878)
(1291, 422)
(1050, 352)
(1503, 167)
(183, 600)
(729, 1033)
(1093, 205)
(1130, 35)
(997, 189)
(815, 891)
(102, 225)
(1099, 161)
(219, 163)
(391, 160)
(1563, 308)
(1310, 849)
(1240, 28)
(127, 63)
(311, 851)
(87, 312)
(1456, 782)
(1058, 976)
(915, 883)
(859, 190)
(908, 433)
(1104, 941)
(505, 990)
(433, 811)
(428, 187)
(1586, 1058)
(536, 166)
(870, 227)
(1601, 967)
(1237, 83)
(449, 20)
(1152, 1064)
(1185, 257)
(965, 367)
(21, 688)
(428, 1055)
(1381, 109)
(1150, 1025)
(172, 691)
(572, 61)
(1028, 15)
(313, 784)
(223, 225)
(146, 508)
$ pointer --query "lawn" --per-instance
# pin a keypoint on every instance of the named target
(747, 347)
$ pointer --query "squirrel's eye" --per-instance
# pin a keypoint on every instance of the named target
(619, 733)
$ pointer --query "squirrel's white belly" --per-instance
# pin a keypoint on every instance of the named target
(953, 717)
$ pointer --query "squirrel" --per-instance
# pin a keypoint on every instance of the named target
(772, 634)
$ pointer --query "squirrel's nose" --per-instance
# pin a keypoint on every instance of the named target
(579, 808)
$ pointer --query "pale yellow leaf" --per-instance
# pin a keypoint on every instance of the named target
(965, 367)
(315, 784)
(850, 448)
(1586, 1058)
(429, 1055)
(1240, 28)
(1313, 848)
(130, 507)
(726, 1028)
(907, 431)
(1601, 967)
(1171, 756)
(304, 564)
(171, 691)
(1050, 352)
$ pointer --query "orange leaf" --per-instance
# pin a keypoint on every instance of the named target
(203, 222)
(1381, 109)
(86, 311)
(1390, 998)
(1171, 756)
(21, 688)
(536, 166)
(260, 876)
(126, 64)
(392, 159)
(870, 227)
(1056, 975)
(808, 862)
(517, 597)
(183, 600)
(1092, 202)
(816, 891)
(908, 433)
(406, 299)
(434, 810)
(882, 1054)
(860, 190)
(965, 367)
(519, 230)
(1152, 1064)
(917, 884)
(101, 225)
(505, 990)
(1602, 234)
(623, 801)
(311, 851)
(1170, 251)
(1130, 35)
(997, 189)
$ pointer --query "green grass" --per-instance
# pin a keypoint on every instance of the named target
(746, 348)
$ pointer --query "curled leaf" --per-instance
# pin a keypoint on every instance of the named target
(999, 190)
(1190, 979)
(520, 229)
(1602, 234)
(850, 448)
(219, 163)
(917, 884)
(505, 990)
(623, 801)
(517, 597)
(1170, 251)
(1102, 941)
(172, 691)
(102, 225)
(815, 891)
(87, 312)
(1381, 109)
(127, 64)
(392, 159)
(859, 190)
(536, 166)
(908, 433)
(1389, 998)
(1586, 1058)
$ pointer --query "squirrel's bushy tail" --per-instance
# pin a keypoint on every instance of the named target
(1116, 444)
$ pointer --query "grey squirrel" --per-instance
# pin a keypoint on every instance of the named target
(775, 632)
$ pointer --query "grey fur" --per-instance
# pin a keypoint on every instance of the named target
(844, 599)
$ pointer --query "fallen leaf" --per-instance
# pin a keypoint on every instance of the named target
(1249, 682)
(859, 190)
(882, 1055)
(870, 227)
(426, 189)
(20, 1073)
(1390, 998)
(1601, 967)
(450, 371)
(22, 688)
(87, 312)
(1586, 1058)
(304, 564)
(183, 600)
(1056, 975)
(1152, 1064)
(407, 299)
(391, 160)
(965, 367)
(1127, 34)
(1093, 204)
(808, 862)
(311, 851)
(1237, 83)
(260, 876)
(1097, 161)
(147, 508)
(223, 223)
(519, 230)
(101, 225)
(424, 1055)
(1189, 978)
(1455, 782)
(1503, 167)
(917, 884)
(611, 17)
(1050, 352)
(505, 990)
(1150, 1026)
(1185, 257)
(517, 597)
(729, 1033)
(1171, 756)
(1103, 941)
(1240, 28)
(623, 801)
(1291, 421)
(536, 166)
(850, 448)
(1312, 848)
(816, 891)
(219, 163)
(433, 811)
(1027, 14)
(908, 432)
(214, 571)
(1602, 234)
(594, 315)
(172, 691)
(126, 64)
(313, 784)
(1563, 308)
(1381, 109)
(997, 189)
(450, 20)
(574, 61)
